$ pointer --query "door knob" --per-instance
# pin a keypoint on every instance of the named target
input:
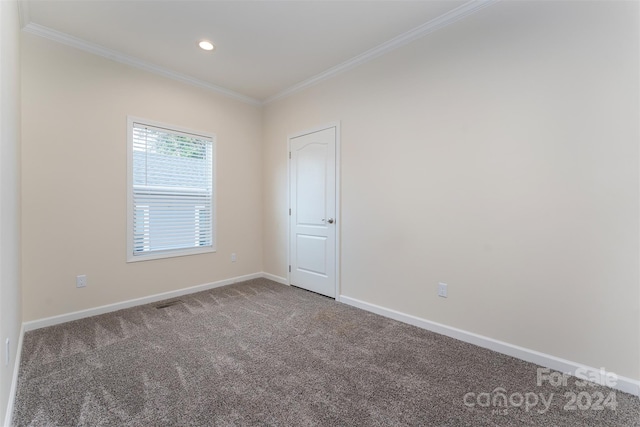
(330, 220)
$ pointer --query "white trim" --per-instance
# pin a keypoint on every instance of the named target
(338, 219)
(338, 207)
(8, 418)
(278, 279)
(435, 24)
(334, 124)
(76, 315)
(56, 320)
(131, 121)
(96, 49)
(23, 11)
(429, 27)
(624, 384)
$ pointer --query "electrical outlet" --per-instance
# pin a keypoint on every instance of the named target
(81, 281)
(233, 257)
(442, 290)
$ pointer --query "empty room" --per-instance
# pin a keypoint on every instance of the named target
(319, 213)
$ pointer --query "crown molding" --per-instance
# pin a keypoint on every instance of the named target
(435, 24)
(96, 49)
(429, 27)
(23, 12)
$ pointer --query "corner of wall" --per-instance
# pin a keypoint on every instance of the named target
(10, 226)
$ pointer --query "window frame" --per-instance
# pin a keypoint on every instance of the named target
(172, 253)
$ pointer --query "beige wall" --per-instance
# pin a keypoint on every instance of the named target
(498, 155)
(10, 309)
(75, 108)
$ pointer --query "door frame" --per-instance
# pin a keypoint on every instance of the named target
(338, 217)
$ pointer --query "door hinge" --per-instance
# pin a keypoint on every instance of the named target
(289, 211)
(289, 154)
(289, 269)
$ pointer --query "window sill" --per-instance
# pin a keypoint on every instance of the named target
(170, 254)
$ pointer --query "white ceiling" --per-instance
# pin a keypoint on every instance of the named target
(263, 48)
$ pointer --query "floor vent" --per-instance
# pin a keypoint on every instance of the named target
(169, 303)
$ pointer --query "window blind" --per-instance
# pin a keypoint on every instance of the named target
(172, 190)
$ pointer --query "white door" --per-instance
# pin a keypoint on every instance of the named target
(312, 176)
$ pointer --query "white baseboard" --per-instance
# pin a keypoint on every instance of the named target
(275, 278)
(76, 315)
(68, 317)
(624, 384)
(8, 418)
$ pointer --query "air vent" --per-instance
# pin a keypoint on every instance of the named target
(169, 303)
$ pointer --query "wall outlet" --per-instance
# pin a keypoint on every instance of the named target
(442, 290)
(233, 257)
(7, 352)
(81, 281)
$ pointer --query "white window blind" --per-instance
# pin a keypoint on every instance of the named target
(171, 199)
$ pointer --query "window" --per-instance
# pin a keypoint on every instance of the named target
(171, 191)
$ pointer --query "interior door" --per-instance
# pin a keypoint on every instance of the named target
(312, 176)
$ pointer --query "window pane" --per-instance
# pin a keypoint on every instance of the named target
(172, 190)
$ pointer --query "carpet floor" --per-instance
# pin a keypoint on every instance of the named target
(261, 353)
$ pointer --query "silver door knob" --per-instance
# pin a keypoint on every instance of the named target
(330, 220)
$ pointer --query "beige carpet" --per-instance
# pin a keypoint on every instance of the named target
(260, 353)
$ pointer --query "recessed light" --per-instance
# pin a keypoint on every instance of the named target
(206, 45)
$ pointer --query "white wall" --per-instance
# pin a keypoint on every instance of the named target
(74, 160)
(10, 305)
(498, 155)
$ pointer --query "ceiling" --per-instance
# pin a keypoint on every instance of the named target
(264, 49)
